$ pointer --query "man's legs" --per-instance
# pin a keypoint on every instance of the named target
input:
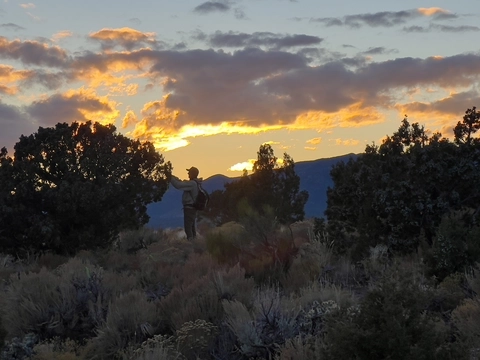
(189, 218)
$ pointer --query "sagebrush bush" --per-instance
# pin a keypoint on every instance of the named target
(308, 265)
(158, 347)
(197, 300)
(466, 319)
(130, 241)
(231, 284)
(130, 319)
(195, 339)
(261, 330)
(69, 302)
(301, 348)
(32, 303)
(57, 349)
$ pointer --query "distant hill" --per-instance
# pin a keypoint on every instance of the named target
(314, 177)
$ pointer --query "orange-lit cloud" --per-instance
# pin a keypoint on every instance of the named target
(129, 119)
(125, 37)
(9, 79)
(346, 142)
(74, 105)
(61, 35)
(314, 141)
(432, 11)
(310, 148)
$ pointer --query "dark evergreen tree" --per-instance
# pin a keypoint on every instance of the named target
(75, 187)
(397, 193)
(270, 185)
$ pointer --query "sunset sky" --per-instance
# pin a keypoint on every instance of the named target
(209, 82)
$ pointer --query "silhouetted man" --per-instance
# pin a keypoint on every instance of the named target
(190, 192)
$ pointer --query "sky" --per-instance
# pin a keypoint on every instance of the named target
(209, 82)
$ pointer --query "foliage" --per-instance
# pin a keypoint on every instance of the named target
(455, 247)
(268, 186)
(130, 319)
(76, 187)
(398, 192)
(391, 323)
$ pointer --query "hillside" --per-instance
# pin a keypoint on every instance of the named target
(314, 177)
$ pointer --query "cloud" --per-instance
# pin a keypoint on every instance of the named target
(126, 38)
(246, 165)
(379, 50)
(61, 35)
(14, 123)
(385, 18)
(32, 53)
(258, 39)
(72, 106)
(11, 26)
(207, 92)
(212, 6)
(27, 6)
(346, 142)
(314, 141)
(442, 28)
(9, 78)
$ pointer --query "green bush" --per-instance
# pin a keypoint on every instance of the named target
(455, 247)
(392, 323)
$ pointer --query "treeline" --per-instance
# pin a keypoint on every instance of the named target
(413, 191)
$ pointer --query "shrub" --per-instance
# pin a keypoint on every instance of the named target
(307, 266)
(260, 331)
(131, 241)
(301, 348)
(466, 319)
(70, 302)
(158, 347)
(32, 303)
(195, 339)
(57, 349)
(455, 247)
(197, 300)
(130, 319)
(231, 284)
(392, 323)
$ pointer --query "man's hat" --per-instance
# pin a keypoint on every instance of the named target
(193, 170)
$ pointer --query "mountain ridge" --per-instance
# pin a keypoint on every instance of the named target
(314, 177)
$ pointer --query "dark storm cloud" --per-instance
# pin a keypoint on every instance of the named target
(211, 6)
(267, 39)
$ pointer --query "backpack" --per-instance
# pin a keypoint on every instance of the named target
(202, 199)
